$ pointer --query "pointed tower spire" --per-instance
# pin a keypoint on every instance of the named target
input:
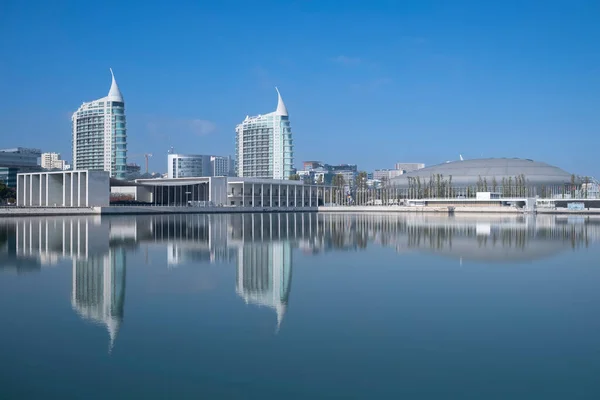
(114, 93)
(281, 110)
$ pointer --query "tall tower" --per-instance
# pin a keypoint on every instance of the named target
(264, 146)
(100, 134)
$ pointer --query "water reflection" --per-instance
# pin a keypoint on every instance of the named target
(263, 247)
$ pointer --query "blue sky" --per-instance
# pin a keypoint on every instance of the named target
(366, 82)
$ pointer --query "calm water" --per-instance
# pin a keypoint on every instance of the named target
(284, 306)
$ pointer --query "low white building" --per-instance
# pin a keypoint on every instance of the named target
(81, 188)
(228, 191)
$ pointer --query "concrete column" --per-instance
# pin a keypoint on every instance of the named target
(47, 190)
(279, 195)
(253, 197)
(87, 190)
(243, 195)
(295, 199)
(78, 190)
(271, 196)
(262, 193)
(287, 195)
(303, 190)
(71, 202)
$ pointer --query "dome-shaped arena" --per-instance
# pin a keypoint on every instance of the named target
(469, 172)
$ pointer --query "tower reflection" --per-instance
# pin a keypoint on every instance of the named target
(98, 292)
(263, 247)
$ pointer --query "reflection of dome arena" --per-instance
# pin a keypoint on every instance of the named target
(467, 172)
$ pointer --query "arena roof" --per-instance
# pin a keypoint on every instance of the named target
(467, 172)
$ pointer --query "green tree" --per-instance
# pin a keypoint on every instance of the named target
(294, 177)
(338, 181)
(320, 180)
(5, 192)
(494, 184)
(572, 186)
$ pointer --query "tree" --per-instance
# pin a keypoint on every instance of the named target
(361, 180)
(384, 181)
(494, 184)
(320, 180)
(6, 193)
(572, 186)
(338, 181)
(294, 177)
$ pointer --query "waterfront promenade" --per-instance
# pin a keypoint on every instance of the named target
(143, 210)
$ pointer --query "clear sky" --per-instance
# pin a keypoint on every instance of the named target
(366, 82)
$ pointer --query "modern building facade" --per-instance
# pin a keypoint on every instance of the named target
(264, 145)
(196, 165)
(100, 134)
(53, 161)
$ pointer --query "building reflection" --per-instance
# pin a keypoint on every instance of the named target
(98, 292)
(263, 247)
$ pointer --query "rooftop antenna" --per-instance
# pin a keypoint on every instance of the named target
(461, 157)
(171, 150)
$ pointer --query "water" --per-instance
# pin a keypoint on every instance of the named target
(271, 306)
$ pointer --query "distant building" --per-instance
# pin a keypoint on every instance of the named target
(100, 134)
(133, 168)
(408, 167)
(17, 160)
(318, 172)
(196, 165)
(222, 166)
(53, 161)
(386, 174)
(264, 146)
(20, 157)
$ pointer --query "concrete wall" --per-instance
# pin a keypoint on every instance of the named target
(218, 190)
(63, 189)
(98, 187)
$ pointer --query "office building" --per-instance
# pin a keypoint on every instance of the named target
(53, 161)
(100, 134)
(408, 167)
(196, 165)
(18, 160)
(20, 157)
(264, 146)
